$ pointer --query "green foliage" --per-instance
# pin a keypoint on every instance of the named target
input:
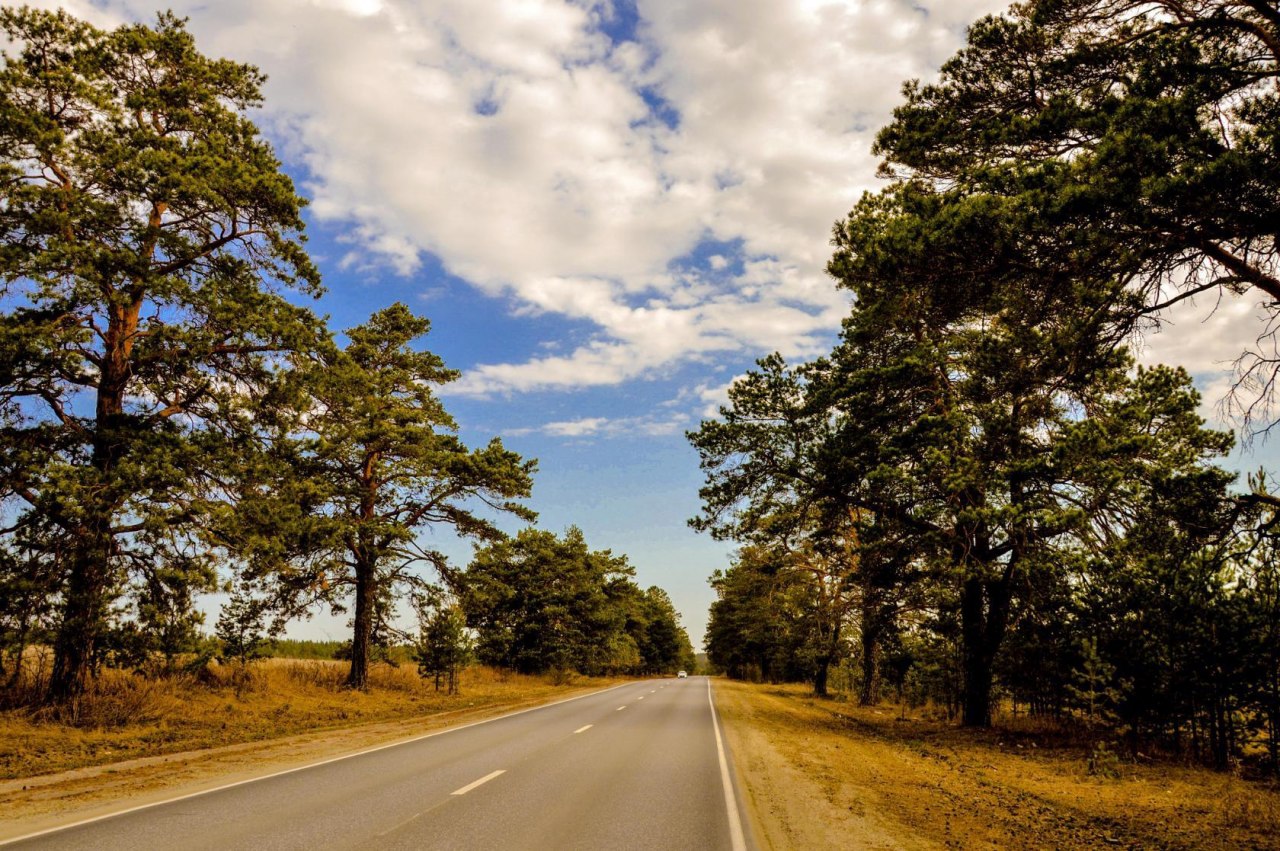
(444, 646)
(1104, 762)
(244, 627)
(366, 458)
(541, 602)
(757, 625)
(981, 420)
(145, 228)
(289, 648)
(166, 408)
(1093, 688)
(1081, 138)
(770, 483)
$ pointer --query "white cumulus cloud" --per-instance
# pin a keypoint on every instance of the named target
(538, 159)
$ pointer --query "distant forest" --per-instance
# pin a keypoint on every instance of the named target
(977, 499)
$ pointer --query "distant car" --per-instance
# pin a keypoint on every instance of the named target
(682, 674)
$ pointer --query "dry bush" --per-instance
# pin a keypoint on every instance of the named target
(329, 676)
(25, 685)
(118, 698)
(403, 678)
(243, 679)
(484, 675)
(562, 676)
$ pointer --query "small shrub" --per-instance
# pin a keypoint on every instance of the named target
(1103, 762)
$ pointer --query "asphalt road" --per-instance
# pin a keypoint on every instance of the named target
(637, 766)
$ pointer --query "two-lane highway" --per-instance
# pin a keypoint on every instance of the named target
(641, 765)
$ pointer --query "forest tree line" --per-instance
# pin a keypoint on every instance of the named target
(978, 495)
(175, 421)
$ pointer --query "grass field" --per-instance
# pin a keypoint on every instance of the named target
(827, 774)
(126, 716)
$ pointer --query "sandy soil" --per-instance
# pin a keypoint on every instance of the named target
(825, 774)
(31, 804)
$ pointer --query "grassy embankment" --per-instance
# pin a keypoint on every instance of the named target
(126, 716)
(828, 774)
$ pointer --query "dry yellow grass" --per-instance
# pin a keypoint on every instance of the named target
(127, 716)
(824, 774)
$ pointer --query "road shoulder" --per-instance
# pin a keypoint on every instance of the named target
(793, 798)
(827, 774)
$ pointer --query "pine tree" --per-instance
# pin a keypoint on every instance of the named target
(444, 646)
(144, 230)
(371, 459)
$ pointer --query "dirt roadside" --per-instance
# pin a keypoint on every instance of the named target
(32, 804)
(825, 774)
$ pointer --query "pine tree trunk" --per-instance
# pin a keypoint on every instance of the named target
(984, 613)
(869, 694)
(86, 601)
(820, 677)
(825, 661)
(84, 612)
(365, 559)
(89, 580)
(358, 678)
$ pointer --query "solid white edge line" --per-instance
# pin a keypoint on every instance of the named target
(296, 769)
(483, 780)
(583, 729)
(736, 838)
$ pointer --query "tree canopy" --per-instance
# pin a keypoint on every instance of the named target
(1127, 140)
(542, 602)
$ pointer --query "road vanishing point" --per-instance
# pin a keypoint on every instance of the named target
(641, 765)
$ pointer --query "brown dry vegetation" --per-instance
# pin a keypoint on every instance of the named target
(125, 716)
(827, 774)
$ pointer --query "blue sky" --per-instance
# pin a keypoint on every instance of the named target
(607, 209)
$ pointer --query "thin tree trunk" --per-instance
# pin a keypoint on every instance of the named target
(366, 569)
(825, 661)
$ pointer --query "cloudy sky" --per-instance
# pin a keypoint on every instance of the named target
(608, 209)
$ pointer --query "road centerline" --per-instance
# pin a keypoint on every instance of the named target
(392, 830)
(475, 783)
(583, 729)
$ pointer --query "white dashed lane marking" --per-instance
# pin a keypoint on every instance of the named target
(483, 780)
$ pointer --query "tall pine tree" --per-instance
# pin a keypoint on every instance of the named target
(145, 230)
